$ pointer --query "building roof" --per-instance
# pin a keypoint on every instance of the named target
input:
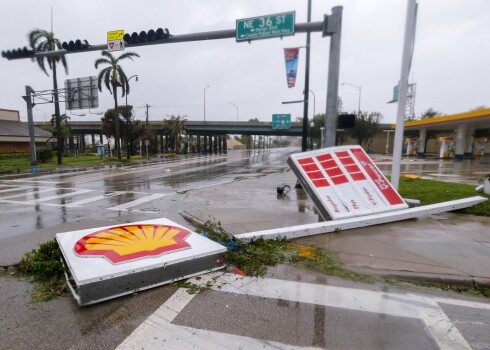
(13, 128)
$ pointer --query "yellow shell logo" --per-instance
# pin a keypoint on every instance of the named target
(124, 243)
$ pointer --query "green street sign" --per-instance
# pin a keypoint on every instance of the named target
(263, 27)
(281, 121)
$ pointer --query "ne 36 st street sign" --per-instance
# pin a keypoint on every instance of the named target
(279, 24)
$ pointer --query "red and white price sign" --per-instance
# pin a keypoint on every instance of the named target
(344, 182)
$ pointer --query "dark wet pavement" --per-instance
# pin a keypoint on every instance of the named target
(239, 190)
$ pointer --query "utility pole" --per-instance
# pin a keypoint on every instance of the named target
(304, 143)
(147, 115)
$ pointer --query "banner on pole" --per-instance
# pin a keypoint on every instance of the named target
(291, 55)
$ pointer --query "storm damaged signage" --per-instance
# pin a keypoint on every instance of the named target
(344, 182)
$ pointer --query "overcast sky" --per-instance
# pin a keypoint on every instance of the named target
(450, 64)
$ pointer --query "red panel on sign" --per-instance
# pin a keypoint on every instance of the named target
(352, 169)
(315, 175)
(379, 180)
(334, 172)
(329, 164)
(310, 167)
(320, 183)
(305, 161)
(357, 176)
(342, 154)
(347, 161)
(324, 157)
(339, 180)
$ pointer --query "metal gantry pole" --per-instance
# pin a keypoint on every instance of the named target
(402, 95)
(334, 29)
(304, 143)
(30, 124)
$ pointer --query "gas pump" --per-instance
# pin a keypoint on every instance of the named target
(447, 147)
(480, 146)
(411, 146)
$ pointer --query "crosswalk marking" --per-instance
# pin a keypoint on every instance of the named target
(159, 332)
(139, 201)
(42, 190)
(94, 199)
(59, 196)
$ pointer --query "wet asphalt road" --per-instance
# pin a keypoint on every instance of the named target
(291, 308)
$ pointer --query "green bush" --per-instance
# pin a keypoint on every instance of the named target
(45, 154)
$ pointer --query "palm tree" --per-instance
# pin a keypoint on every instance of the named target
(42, 41)
(113, 76)
(174, 126)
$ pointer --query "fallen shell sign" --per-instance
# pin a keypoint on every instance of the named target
(344, 182)
(121, 244)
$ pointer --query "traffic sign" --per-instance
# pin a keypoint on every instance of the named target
(115, 40)
(281, 121)
(279, 24)
(115, 35)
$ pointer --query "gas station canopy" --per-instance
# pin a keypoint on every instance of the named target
(478, 119)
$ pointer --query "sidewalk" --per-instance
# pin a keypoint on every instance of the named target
(446, 247)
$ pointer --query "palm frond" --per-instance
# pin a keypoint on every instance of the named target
(107, 78)
(127, 55)
(100, 61)
(101, 77)
(110, 56)
(123, 80)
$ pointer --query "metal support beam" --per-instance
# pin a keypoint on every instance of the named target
(360, 221)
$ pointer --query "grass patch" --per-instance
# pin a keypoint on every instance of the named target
(324, 261)
(254, 258)
(23, 163)
(44, 266)
(193, 288)
(431, 191)
(475, 290)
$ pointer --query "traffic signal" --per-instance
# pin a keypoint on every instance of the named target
(18, 53)
(76, 45)
(346, 121)
(143, 36)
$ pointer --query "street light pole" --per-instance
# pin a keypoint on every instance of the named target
(314, 103)
(234, 105)
(358, 88)
(205, 102)
(129, 125)
(321, 136)
(133, 76)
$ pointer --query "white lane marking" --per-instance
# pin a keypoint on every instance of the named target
(94, 199)
(58, 196)
(157, 332)
(346, 298)
(442, 329)
(28, 193)
(35, 181)
(16, 188)
(466, 303)
(139, 201)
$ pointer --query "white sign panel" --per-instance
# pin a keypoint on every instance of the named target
(111, 261)
(344, 182)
